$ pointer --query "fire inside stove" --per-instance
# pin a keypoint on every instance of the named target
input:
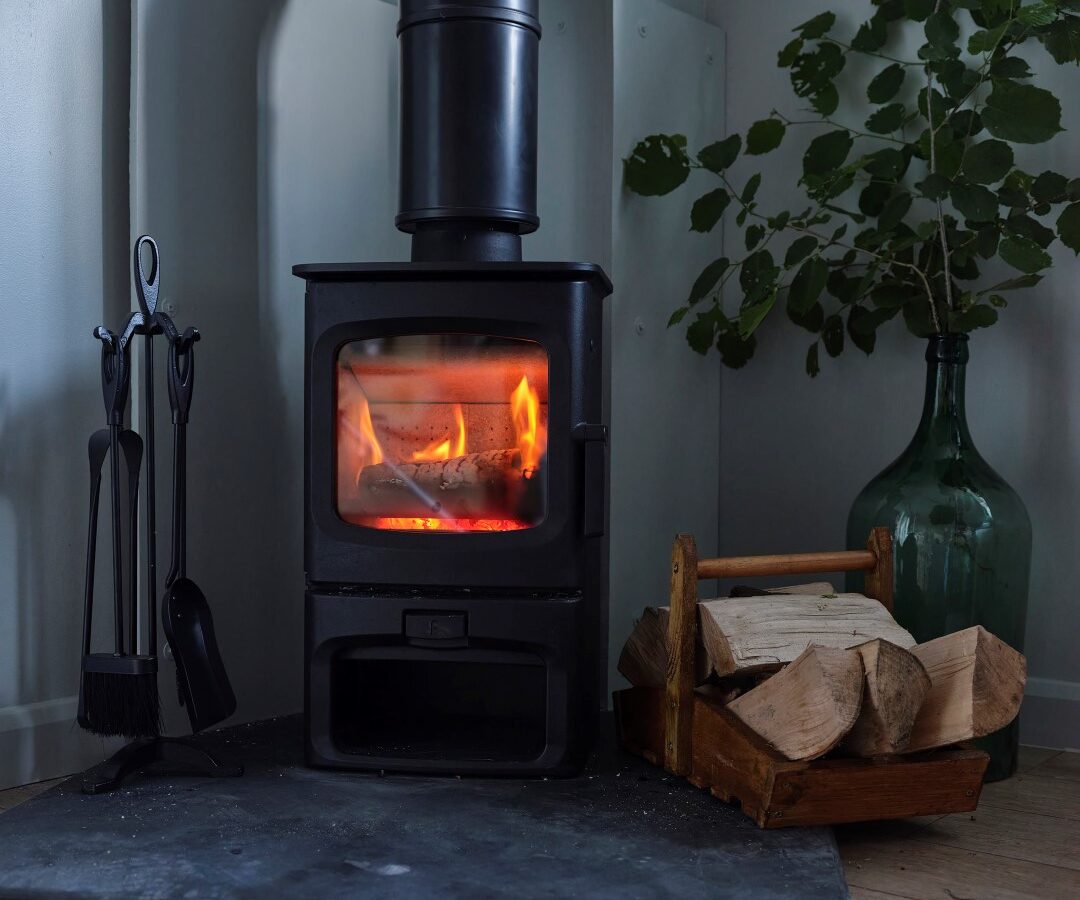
(442, 432)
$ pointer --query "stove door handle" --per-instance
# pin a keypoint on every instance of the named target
(594, 473)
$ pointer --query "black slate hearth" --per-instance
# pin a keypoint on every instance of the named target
(622, 829)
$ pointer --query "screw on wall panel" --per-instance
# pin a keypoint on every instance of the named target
(709, 59)
(639, 325)
(560, 26)
(169, 307)
(643, 29)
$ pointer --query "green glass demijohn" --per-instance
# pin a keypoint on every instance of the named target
(962, 537)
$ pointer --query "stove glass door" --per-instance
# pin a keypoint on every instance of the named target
(441, 432)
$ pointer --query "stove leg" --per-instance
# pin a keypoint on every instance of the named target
(181, 754)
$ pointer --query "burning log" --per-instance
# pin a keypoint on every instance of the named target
(463, 487)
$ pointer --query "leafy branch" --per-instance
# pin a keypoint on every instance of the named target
(926, 209)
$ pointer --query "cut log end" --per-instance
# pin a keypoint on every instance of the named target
(895, 686)
(805, 710)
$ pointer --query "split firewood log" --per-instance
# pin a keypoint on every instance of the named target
(976, 686)
(461, 487)
(748, 634)
(895, 686)
(643, 661)
(805, 709)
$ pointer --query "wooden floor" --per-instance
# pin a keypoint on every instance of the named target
(1022, 842)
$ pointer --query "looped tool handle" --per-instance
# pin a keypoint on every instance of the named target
(115, 376)
(181, 374)
(146, 288)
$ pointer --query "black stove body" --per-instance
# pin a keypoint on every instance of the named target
(456, 460)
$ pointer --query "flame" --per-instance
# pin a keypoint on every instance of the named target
(438, 450)
(531, 436)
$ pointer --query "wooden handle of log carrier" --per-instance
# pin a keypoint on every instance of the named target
(682, 642)
(875, 560)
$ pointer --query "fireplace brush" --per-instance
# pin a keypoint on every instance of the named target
(118, 694)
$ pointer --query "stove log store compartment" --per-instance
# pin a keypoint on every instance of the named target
(455, 542)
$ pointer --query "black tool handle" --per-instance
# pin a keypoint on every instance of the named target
(114, 386)
(147, 290)
(181, 380)
(97, 449)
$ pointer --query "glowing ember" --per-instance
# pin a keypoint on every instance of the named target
(406, 524)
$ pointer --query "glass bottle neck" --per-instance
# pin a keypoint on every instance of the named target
(944, 418)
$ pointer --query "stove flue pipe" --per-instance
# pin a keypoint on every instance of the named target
(468, 127)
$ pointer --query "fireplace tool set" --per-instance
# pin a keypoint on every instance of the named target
(118, 694)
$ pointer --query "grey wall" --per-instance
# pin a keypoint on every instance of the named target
(63, 198)
(795, 451)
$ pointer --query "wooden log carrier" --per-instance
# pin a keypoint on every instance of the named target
(692, 733)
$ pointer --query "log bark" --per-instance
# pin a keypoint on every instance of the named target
(753, 634)
(977, 684)
(806, 709)
(644, 658)
(462, 487)
(895, 686)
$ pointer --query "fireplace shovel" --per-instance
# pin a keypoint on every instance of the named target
(185, 615)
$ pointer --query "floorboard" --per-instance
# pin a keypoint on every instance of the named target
(1022, 842)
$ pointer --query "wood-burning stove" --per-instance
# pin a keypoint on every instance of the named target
(456, 462)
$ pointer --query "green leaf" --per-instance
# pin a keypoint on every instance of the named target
(658, 165)
(978, 316)
(811, 320)
(1049, 187)
(1037, 14)
(974, 202)
(1023, 254)
(735, 351)
(1014, 284)
(998, 302)
(813, 366)
(988, 161)
(750, 190)
(827, 152)
(888, 164)
(752, 316)
(706, 281)
(678, 316)
(966, 122)
(787, 56)
(807, 285)
(1068, 227)
(985, 41)
(800, 248)
(1010, 67)
(934, 186)
(859, 330)
(891, 294)
(918, 10)
(886, 84)
(1022, 113)
(941, 29)
(700, 332)
(719, 156)
(1062, 39)
(937, 107)
(917, 316)
(813, 72)
(887, 119)
(873, 197)
(826, 100)
(871, 35)
(817, 26)
(986, 242)
(894, 211)
(1031, 229)
(764, 136)
(832, 335)
(708, 209)
(753, 236)
(758, 275)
